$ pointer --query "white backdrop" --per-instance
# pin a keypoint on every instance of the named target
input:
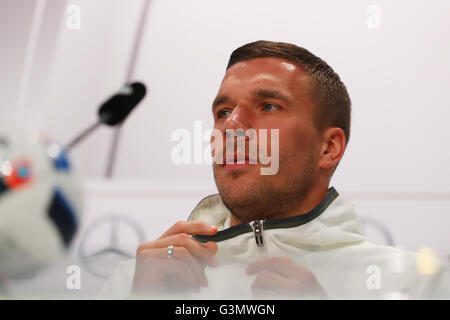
(395, 168)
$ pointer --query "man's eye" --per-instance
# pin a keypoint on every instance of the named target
(223, 113)
(269, 107)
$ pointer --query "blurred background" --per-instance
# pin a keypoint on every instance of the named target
(59, 60)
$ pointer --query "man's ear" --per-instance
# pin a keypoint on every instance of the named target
(333, 147)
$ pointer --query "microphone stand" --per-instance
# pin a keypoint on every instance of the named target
(82, 135)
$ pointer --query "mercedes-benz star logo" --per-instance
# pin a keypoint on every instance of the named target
(107, 241)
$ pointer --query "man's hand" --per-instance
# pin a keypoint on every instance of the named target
(280, 276)
(156, 273)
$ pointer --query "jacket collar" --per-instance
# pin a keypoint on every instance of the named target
(212, 210)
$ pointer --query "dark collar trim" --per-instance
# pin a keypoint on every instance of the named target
(288, 222)
(226, 234)
(300, 219)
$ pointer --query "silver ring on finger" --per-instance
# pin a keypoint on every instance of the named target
(170, 252)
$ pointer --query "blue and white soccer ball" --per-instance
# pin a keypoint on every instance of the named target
(40, 202)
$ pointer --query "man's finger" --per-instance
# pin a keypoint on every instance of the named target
(212, 246)
(180, 254)
(272, 283)
(283, 266)
(159, 274)
(191, 228)
(296, 277)
(204, 253)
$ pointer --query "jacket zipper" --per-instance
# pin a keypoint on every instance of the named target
(258, 232)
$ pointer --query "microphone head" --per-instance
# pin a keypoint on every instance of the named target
(118, 107)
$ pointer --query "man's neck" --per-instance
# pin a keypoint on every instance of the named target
(304, 206)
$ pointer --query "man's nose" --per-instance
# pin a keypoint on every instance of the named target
(239, 118)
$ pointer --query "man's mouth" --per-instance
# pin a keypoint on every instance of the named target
(235, 161)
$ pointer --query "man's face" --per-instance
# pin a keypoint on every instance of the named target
(267, 93)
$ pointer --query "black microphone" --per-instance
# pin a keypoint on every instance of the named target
(119, 106)
(114, 110)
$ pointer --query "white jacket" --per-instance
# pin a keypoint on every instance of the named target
(328, 241)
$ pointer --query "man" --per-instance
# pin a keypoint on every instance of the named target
(284, 234)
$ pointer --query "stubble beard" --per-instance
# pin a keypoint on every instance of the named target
(266, 196)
